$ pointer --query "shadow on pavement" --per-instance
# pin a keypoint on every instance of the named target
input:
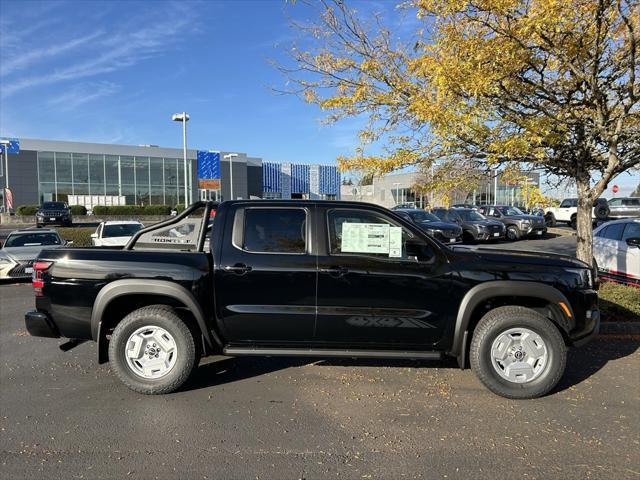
(233, 369)
(582, 363)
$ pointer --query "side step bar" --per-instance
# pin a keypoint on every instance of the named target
(320, 352)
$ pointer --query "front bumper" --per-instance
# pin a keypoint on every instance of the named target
(15, 270)
(535, 231)
(58, 220)
(486, 236)
(590, 330)
(40, 325)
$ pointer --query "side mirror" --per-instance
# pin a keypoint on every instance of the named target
(94, 235)
(633, 242)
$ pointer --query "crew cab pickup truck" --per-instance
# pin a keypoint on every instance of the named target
(318, 279)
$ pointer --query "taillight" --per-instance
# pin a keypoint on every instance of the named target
(212, 213)
(36, 277)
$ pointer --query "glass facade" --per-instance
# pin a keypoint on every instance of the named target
(141, 180)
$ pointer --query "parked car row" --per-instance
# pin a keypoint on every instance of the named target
(481, 224)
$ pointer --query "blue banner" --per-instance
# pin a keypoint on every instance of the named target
(208, 165)
(13, 147)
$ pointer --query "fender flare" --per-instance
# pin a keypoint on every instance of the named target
(134, 286)
(503, 288)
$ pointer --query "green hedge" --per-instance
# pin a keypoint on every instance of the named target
(80, 236)
(132, 210)
(31, 209)
(27, 209)
(78, 210)
(180, 207)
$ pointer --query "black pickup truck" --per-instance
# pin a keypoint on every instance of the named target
(318, 279)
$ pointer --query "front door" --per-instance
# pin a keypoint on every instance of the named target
(265, 282)
(381, 284)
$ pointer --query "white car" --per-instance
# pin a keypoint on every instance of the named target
(114, 233)
(22, 247)
(616, 249)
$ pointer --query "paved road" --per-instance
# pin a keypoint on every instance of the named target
(63, 416)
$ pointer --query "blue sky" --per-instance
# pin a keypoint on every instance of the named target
(115, 71)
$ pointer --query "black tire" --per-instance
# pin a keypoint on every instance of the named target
(501, 319)
(468, 238)
(573, 223)
(513, 233)
(166, 318)
(550, 219)
(38, 225)
(601, 211)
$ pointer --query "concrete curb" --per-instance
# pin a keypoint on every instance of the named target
(620, 328)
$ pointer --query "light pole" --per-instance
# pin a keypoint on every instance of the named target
(5, 149)
(230, 157)
(184, 118)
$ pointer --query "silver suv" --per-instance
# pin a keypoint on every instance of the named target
(624, 207)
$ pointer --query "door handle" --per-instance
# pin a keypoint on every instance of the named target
(335, 271)
(239, 268)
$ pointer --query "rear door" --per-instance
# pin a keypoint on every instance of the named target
(380, 284)
(265, 283)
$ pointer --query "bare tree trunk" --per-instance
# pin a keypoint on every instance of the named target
(584, 249)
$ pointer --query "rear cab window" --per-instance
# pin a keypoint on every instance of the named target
(275, 230)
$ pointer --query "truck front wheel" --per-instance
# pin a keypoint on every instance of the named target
(152, 351)
(517, 353)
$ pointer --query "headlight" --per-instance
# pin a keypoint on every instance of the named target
(5, 260)
(585, 276)
(526, 224)
(481, 227)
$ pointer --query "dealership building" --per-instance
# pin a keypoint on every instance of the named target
(104, 174)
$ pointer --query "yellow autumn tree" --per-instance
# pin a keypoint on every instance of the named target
(551, 84)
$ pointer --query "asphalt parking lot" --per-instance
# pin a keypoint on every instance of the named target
(63, 416)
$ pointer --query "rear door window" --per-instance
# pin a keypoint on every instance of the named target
(275, 230)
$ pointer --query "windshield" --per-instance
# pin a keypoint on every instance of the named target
(32, 240)
(122, 230)
(510, 211)
(54, 205)
(421, 217)
(471, 215)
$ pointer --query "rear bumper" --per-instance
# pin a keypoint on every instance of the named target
(40, 325)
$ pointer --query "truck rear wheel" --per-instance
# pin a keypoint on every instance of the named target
(152, 351)
(517, 353)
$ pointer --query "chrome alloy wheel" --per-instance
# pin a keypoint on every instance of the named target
(519, 355)
(151, 352)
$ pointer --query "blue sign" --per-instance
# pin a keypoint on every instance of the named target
(13, 147)
(208, 165)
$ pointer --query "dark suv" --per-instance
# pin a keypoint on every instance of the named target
(446, 232)
(518, 223)
(475, 226)
(54, 213)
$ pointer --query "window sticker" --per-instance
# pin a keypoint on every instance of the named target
(371, 238)
(395, 242)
